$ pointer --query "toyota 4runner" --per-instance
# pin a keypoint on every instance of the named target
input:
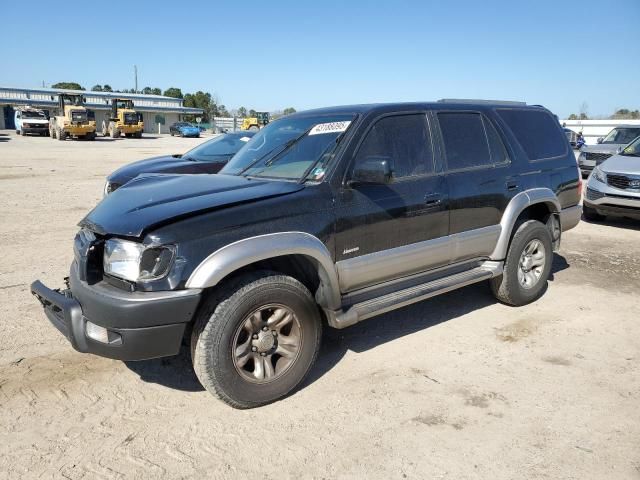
(326, 216)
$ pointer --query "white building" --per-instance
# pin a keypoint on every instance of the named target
(152, 107)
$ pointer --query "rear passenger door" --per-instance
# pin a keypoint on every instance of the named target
(481, 181)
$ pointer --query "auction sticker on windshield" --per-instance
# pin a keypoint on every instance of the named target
(331, 127)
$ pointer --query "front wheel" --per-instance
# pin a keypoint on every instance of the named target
(527, 267)
(256, 340)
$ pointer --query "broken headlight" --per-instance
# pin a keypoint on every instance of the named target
(137, 262)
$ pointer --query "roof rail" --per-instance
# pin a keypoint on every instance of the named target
(483, 102)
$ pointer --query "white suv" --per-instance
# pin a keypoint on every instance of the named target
(614, 186)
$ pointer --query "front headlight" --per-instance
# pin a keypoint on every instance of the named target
(136, 262)
(599, 175)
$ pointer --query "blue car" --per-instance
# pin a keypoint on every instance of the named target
(184, 129)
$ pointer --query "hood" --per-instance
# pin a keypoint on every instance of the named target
(602, 148)
(622, 164)
(152, 200)
(165, 163)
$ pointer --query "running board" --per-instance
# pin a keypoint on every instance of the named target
(376, 306)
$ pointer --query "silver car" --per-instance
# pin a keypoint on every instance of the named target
(614, 186)
(614, 142)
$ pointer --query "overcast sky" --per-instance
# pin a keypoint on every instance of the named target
(269, 55)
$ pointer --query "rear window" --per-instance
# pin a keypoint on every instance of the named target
(537, 132)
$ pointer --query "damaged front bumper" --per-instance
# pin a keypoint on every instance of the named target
(110, 322)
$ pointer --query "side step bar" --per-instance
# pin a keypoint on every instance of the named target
(376, 306)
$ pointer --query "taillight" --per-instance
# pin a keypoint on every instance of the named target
(579, 184)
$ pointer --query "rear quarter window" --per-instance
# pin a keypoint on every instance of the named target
(537, 132)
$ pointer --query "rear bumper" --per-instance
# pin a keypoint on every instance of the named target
(80, 130)
(141, 325)
(131, 128)
(570, 217)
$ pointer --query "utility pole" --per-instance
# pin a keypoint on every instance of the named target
(135, 73)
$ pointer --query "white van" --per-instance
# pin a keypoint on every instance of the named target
(31, 120)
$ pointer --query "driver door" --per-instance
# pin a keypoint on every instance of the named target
(400, 227)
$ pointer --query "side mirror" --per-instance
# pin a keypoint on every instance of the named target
(600, 139)
(374, 170)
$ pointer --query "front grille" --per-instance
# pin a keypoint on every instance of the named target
(598, 157)
(594, 194)
(618, 181)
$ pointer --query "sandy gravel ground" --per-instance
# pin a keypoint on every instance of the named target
(457, 387)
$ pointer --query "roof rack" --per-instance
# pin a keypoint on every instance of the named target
(484, 102)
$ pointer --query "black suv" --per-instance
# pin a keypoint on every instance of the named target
(332, 215)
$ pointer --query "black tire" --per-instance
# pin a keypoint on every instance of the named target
(18, 132)
(171, 132)
(61, 134)
(52, 133)
(115, 133)
(507, 287)
(223, 315)
(592, 214)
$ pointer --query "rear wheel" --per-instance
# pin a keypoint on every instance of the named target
(62, 135)
(527, 266)
(256, 340)
(592, 214)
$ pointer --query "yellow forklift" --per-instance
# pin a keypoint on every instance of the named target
(73, 119)
(255, 123)
(123, 119)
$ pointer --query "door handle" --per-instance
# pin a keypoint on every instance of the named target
(512, 186)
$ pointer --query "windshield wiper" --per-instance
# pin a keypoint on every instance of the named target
(286, 146)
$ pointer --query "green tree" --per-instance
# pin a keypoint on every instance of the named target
(221, 111)
(289, 111)
(146, 90)
(573, 116)
(173, 92)
(252, 113)
(68, 86)
(107, 88)
(96, 88)
(625, 114)
(242, 112)
(156, 91)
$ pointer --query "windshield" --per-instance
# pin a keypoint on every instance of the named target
(621, 135)
(288, 148)
(632, 150)
(32, 114)
(222, 145)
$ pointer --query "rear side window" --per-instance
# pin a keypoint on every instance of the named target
(465, 140)
(537, 132)
(404, 140)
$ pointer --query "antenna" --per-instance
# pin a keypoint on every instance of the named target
(135, 74)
